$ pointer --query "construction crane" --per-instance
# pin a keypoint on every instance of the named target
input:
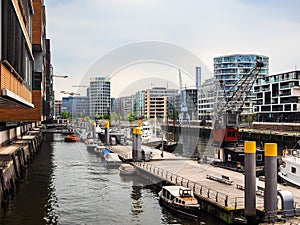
(183, 105)
(80, 86)
(69, 93)
(228, 107)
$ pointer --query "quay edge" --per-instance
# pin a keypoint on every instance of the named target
(18, 147)
(225, 213)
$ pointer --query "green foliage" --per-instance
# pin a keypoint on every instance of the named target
(250, 119)
(65, 114)
(131, 117)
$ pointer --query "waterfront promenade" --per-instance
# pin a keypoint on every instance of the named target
(221, 191)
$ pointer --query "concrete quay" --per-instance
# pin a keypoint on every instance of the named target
(15, 158)
(219, 191)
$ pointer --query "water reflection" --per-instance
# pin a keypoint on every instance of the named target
(66, 184)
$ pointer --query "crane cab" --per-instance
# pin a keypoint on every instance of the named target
(225, 137)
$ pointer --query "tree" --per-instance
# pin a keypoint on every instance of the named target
(114, 117)
(65, 114)
(130, 117)
(250, 119)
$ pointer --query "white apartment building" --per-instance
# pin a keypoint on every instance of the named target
(278, 98)
(99, 96)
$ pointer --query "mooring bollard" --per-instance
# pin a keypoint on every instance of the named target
(250, 178)
(270, 193)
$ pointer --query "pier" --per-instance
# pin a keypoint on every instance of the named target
(219, 191)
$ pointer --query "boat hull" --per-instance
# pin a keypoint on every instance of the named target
(192, 212)
(288, 180)
(72, 139)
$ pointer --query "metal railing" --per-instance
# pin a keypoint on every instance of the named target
(197, 188)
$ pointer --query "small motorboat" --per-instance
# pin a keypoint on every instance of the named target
(126, 169)
(72, 138)
(91, 144)
(180, 200)
(112, 160)
(104, 151)
(98, 149)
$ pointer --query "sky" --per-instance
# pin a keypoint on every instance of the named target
(84, 32)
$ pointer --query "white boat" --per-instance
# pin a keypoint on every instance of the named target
(98, 149)
(180, 200)
(126, 169)
(146, 131)
(152, 135)
(112, 159)
(91, 144)
(289, 171)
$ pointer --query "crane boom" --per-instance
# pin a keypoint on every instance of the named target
(228, 108)
(69, 93)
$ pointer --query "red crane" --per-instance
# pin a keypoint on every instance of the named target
(228, 107)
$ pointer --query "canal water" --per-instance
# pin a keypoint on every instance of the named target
(67, 185)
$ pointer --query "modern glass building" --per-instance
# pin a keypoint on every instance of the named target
(99, 96)
(231, 68)
(78, 106)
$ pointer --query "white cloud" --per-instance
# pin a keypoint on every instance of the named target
(83, 31)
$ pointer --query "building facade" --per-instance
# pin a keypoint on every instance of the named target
(206, 100)
(231, 68)
(57, 109)
(23, 61)
(124, 106)
(78, 106)
(99, 97)
(16, 59)
(278, 98)
(156, 102)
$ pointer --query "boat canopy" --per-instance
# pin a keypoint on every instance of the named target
(105, 151)
(178, 190)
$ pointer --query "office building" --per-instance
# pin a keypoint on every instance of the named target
(156, 102)
(77, 106)
(57, 109)
(99, 97)
(206, 100)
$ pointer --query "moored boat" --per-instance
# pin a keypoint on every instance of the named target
(91, 144)
(104, 151)
(126, 169)
(112, 159)
(98, 149)
(72, 138)
(289, 170)
(179, 199)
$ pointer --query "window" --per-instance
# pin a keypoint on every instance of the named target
(293, 170)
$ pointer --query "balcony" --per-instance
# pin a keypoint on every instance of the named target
(14, 94)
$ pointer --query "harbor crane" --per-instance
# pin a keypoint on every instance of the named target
(228, 107)
(183, 105)
(69, 93)
(84, 86)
